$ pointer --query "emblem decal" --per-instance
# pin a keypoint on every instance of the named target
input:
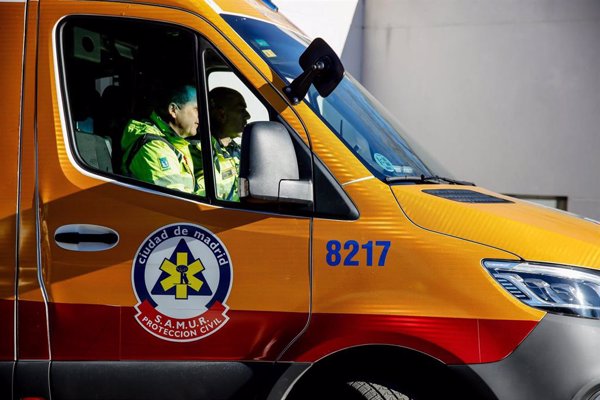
(181, 277)
(164, 163)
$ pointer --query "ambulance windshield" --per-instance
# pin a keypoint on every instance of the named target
(350, 111)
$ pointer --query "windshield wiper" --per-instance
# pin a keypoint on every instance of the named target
(426, 179)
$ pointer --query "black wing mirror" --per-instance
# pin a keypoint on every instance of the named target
(322, 68)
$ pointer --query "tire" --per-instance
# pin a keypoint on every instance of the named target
(374, 391)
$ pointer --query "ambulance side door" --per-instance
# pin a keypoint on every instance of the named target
(148, 286)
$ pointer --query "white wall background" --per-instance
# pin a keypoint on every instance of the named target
(339, 22)
(505, 93)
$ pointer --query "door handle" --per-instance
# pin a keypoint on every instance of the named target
(86, 237)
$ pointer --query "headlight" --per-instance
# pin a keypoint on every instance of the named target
(553, 288)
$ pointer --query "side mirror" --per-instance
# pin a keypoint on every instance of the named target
(322, 68)
(269, 167)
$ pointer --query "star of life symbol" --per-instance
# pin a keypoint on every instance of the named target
(180, 271)
(182, 277)
(178, 276)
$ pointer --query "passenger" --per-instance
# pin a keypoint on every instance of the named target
(156, 151)
(228, 117)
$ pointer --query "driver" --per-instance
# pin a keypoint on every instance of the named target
(228, 117)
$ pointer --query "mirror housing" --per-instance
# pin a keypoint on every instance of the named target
(269, 166)
(322, 68)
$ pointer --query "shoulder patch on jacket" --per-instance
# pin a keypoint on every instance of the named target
(164, 163)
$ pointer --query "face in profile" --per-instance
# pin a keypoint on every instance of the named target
(185, 118)
(235, 116)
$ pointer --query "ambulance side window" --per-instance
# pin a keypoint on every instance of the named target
(155, 106)
(232, 105)
(123, 82)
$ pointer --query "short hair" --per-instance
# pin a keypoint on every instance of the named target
(179, 95)
(183, 95)
(220, 96)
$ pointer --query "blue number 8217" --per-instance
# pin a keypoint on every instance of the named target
(336, 252)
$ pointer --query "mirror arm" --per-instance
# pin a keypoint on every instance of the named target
(296, 90)
(244, 187)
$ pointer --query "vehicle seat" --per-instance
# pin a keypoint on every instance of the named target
(95, 150)
(113, 113)
(84, 105)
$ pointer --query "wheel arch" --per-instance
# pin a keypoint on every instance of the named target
(402, 367)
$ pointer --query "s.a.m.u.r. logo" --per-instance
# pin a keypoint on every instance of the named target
(181, 277)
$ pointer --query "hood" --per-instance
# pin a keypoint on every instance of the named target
(530, 231)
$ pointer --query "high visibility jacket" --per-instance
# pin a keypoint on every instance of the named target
(227, 170)
(226, 163)
(156, 161)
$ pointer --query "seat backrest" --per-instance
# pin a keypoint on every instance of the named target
(95, 150)
(86, 101)
(112, 116)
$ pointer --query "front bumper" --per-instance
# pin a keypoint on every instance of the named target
(559, 360)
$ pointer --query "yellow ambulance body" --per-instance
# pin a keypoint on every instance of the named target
(364, 273)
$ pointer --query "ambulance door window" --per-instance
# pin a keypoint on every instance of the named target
(232, 105)
(131, 99)
(256, 110)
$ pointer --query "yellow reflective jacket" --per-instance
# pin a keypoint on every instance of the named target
(226, 163)
(153, 153)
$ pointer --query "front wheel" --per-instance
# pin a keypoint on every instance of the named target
(373, 391)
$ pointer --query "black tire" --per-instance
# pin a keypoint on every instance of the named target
(374, 391)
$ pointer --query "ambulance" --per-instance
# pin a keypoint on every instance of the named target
(351, 266)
